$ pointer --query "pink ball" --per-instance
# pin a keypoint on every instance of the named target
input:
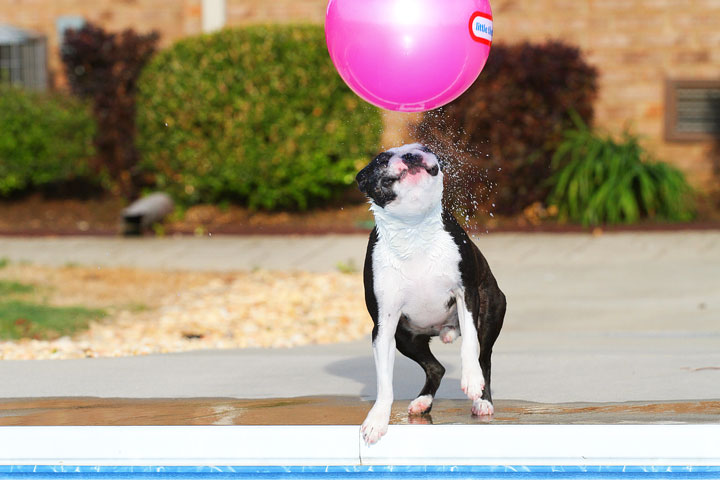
(409, 55)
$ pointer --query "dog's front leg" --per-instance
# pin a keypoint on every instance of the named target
(472, 381)
(376, 422)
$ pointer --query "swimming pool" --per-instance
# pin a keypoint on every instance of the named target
(407, 452)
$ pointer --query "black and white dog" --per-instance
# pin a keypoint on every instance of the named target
(424, 277)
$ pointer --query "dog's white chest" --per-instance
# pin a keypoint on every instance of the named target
(416, 274)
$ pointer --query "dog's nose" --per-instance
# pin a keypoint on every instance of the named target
(413, 159)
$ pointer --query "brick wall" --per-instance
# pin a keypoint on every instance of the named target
(242, 12)
(635, 44)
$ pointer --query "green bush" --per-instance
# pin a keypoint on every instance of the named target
(44, 139)
(256, 116)
(599, 180)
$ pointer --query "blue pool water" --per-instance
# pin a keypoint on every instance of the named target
(411, 472)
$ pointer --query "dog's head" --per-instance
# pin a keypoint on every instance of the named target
(403, 181)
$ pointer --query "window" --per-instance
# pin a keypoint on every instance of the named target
(692, 110)
(23, 58)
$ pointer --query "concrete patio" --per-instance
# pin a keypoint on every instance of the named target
(613, 318)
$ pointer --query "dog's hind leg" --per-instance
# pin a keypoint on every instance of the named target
(488, 331)
(417, 347)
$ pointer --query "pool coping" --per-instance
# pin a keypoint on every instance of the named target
(328, 445)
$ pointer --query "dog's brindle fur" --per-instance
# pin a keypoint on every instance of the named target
(481, 295)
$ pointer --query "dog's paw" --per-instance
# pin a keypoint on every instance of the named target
(472, 383)
(448, 334)
(420, 405)
(375, 425)
(482, 408)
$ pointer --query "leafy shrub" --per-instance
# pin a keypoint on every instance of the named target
(599, 180)
(503, 130)
(256, 116)
(105, 67)
(44, 139)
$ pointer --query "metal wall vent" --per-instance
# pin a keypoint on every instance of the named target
(692, 110)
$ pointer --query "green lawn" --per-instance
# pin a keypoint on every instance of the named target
(22, 318)
(14, 288)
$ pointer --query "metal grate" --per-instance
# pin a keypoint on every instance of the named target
(23, 58)
(692, 110)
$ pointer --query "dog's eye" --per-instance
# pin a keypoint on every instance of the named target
(386, 182)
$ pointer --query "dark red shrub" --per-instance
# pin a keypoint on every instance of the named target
(105, 67)
(500, 135)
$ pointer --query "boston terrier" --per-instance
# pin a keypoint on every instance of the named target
(423, 278)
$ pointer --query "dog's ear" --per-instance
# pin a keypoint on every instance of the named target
(365, 176)
(363, 179)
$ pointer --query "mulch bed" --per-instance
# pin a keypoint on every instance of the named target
(36, 215)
